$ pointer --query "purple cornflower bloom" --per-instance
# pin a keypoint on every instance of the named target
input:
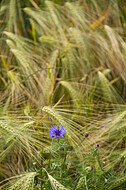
(57, 132)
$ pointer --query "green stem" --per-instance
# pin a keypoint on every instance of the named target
(78, 145)
(41, 122)
(41, 170)
(65, 151)
(41, 174)
(98, 159)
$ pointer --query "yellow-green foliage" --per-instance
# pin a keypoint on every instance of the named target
(24, 182)
(67, 59)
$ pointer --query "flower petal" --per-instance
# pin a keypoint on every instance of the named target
(57, 133)
(61, 128)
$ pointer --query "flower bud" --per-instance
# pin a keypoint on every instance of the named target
(86, 134)
(97, 146)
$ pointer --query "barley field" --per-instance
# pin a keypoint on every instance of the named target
(63, 95)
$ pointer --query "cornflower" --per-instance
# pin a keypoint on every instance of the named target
(57, 132)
